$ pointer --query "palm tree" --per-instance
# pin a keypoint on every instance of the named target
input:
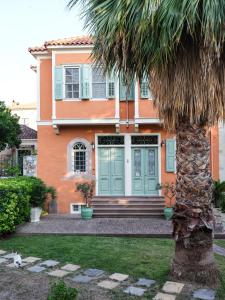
(180, 46)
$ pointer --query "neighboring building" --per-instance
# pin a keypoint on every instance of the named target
(90, 124)
(27, 113)
(13, 157)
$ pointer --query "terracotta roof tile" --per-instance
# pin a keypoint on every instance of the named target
(77, 40)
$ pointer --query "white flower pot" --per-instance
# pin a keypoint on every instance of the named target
(35, 214)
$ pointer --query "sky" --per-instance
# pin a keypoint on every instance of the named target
(27, 23)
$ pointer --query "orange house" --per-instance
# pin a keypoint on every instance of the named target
(92, 125)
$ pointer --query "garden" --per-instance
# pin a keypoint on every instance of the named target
(21, 198)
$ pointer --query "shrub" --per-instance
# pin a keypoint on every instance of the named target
(17, 195)
(60, 291)
(14, 204)
(36, 189)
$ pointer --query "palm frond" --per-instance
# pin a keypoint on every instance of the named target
(178, 43)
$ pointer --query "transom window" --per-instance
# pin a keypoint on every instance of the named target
(144, 140)
(79, 158)
(98, 83)
(72, 83)
(111, 140)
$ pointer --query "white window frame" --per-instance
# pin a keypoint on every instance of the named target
(64, 82)
(79, 208)
(70, 163)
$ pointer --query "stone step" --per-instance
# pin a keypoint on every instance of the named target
(128, 205)
(127, 215)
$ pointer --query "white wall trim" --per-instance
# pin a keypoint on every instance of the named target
(44, 123)
(107, 121)
(147, 121)
(69, 47)
(53, 87)
(117, 97)
(136, 101)
(38, 91)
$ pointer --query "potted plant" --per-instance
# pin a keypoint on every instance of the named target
(86, 189)
(38, 196)
(169, 192)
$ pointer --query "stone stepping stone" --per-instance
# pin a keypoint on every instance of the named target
(30, 259)
(9, 256)
(108, 284)
(70, 267)
(218, 250)
(204, 294)
(118, 276)
(134, 291)
(49, 263)
(94, 272)
(36, 269)
(58, 273)
(172, 287)
(145, 282)
(82, 279)
(13, 266)
(162, 296)
(2, 252)
(3, 260)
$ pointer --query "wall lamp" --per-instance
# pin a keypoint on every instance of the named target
(163, 143)
(93, 146)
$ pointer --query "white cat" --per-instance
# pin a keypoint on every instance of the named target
(17, 260)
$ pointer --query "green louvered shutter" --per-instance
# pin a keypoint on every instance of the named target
(144, 88)
(170, 155)
(85, 82)
(58, 83)
(111, 85)
(126, 94)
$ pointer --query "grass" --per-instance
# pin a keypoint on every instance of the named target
(139, 257)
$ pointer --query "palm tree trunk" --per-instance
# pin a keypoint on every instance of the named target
(193, 214)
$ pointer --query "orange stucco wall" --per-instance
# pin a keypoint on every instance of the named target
(85, 109)
(45, 89)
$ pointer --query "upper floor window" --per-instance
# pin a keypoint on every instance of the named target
(98, 83)
(79, 158)
(72, 83)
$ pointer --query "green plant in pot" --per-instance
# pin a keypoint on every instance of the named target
(86, 189)
(169, 192)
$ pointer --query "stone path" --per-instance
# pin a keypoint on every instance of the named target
(100, 278)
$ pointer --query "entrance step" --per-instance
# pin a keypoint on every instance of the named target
(132, 206)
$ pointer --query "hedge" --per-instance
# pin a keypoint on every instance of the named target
(17, 196)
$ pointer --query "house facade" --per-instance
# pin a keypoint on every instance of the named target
(90, 125)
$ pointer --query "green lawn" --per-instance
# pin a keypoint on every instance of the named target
(139, 257)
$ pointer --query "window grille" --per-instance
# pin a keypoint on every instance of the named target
(98, 83)
(111, 140)
(72, 82)
(79, 158)
(144, 140)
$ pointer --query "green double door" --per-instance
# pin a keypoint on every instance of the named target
(145, 175)
(111, 171)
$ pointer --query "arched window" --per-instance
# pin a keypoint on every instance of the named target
(79, 159)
